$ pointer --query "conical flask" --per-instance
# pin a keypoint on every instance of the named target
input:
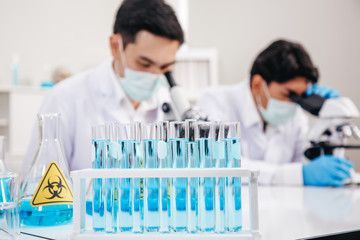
(46, 191)
(2, 154)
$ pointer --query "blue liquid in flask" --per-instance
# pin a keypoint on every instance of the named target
(50, 215)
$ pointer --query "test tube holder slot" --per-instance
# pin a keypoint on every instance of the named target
(79, 206)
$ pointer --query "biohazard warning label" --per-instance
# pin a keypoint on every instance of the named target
(53, 188)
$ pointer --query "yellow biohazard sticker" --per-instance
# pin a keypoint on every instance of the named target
(53, 188)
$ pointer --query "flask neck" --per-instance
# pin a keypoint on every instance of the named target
(49, 126)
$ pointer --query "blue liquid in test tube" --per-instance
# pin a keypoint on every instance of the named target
(220, 162)
(99, 158)
(138, 189)
(151, 196)
(233, 213)
(207, 187)
(163, 150)
(165, 193)
(111, 210)
(125, 197)
(193, 161)
(178, 186)
(192, 196)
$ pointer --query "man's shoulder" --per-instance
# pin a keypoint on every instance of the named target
(77, 85)
(224, 92)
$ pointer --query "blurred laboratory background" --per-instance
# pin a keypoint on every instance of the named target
(43, 42)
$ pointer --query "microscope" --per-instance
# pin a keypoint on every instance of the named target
(180, 108)
(332, 128)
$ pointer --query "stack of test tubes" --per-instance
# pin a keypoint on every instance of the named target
(167, 205)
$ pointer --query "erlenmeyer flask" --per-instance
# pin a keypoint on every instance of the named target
(2, 154)
(46, 191)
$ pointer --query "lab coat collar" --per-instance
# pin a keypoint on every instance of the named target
(252, 114)
(119, 94)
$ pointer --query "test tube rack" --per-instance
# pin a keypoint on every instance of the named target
(79, 206)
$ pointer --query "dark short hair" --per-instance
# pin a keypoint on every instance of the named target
(282, 61)
(154, 16)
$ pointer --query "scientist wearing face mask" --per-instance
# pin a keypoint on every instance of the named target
(274, 129)
(129, 87)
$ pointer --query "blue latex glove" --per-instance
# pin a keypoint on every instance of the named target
(323, 91)
(327, 170)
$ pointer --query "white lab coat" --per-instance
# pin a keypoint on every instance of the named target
(87, 99)
(278, 152)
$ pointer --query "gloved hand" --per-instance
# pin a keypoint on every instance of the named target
(327, 170)
(323, 91)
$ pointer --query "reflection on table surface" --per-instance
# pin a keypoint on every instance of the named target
(298, 212)
(284, 212)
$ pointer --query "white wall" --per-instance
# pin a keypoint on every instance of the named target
(70, 33)
(328, 29)
(75, 34)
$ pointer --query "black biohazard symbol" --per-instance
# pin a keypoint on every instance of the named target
(55, 188)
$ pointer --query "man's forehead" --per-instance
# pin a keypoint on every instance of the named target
(155, 51)
(297, 85)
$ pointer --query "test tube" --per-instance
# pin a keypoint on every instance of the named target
(111, 210)
(163, 150)
(125, 141)
(151, 139)
(177, 142)
(207, 184)
(193, 182)
(219, 159)
(98, 161)
(233, 214)
(138, 183)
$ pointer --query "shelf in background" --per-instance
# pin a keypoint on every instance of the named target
(4, 122)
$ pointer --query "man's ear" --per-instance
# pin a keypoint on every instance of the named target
(114, 41)
(116, 45)
(256, 84)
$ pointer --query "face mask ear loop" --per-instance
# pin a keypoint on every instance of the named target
(266, 90)
(258, 101)
(267, 93)
(122, 57)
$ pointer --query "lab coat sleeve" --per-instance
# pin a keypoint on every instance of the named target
(301, 140)
(275, 174)
(54, 102)
(290, 173)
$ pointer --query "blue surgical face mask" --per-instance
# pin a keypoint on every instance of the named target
(277, 112)
(138, 85)
(141, 86)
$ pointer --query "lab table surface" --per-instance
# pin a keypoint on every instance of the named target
(284, 213)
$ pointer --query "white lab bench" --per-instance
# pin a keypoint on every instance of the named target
(284, 213)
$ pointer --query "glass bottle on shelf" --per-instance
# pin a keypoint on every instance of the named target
(2, 154)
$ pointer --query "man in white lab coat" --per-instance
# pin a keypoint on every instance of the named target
(128, 87)
(273, 129)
